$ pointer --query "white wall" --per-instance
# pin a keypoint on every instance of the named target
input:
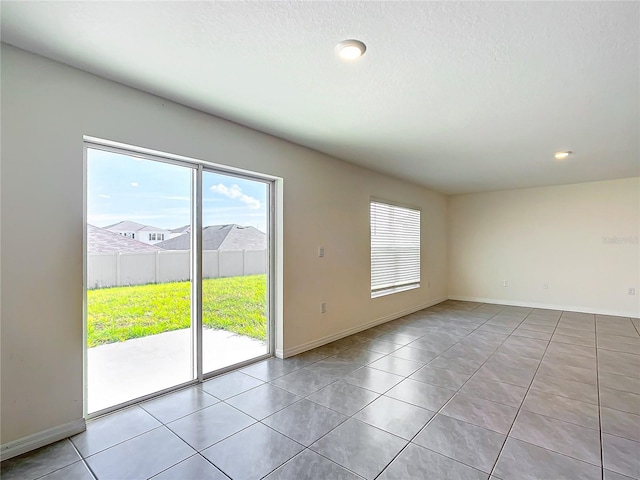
(580, 239)
(47, 108)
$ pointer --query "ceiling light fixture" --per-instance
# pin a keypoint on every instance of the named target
(562, 155)
(350, 49)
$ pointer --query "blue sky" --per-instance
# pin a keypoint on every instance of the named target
(120, 187)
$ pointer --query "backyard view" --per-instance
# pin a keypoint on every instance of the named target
(236, 304)
(140, 258)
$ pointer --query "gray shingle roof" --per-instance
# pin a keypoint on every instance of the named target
(183, 229)
(244, 238)
(149, 228)
(100, 240)
(130, 226)
(221, 237)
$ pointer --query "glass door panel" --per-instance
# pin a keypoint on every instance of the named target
(139, 335)
(235, 270)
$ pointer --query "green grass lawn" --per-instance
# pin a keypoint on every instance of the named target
(235, 304)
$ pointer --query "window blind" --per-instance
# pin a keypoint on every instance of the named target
(395, 248)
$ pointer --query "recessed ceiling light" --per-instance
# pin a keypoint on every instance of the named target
(562, 155)
(350, 49)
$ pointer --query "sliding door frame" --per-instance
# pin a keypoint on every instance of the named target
(198, 168)
(271, 187)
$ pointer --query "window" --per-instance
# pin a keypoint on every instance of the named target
(156, 236)
(395, 248)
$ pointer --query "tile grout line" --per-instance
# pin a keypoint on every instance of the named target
(634, 326)
(197, 454)
(182, 416)
(347, 417)
(380, 395)
(383, 371)
(599, 409)
(436, 413)
(305, 447)
(126, 440)
(540, 362)
(162, 423)
(405, 377)
(461, 317)
(82, 459)
(323, 456)
(448, 401)
(495, 464)
(166, 425)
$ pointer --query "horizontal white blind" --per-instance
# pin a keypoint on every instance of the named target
(395, 247)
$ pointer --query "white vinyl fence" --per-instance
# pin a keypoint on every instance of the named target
(116, 269)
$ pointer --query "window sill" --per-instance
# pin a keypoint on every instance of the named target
(390, 291)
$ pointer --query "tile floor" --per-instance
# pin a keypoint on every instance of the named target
(458, 391)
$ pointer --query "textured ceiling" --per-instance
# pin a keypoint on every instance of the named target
(457, 96)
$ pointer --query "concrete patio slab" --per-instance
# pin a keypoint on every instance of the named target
(122, 371)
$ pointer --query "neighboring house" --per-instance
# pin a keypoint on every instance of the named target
(221, 237)
(138, 231)
(100, 240)
(176, 232)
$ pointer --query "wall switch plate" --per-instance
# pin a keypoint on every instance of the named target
(545, 285)
(321, 252)
(632, 291)
(323, 307)
(504, 283)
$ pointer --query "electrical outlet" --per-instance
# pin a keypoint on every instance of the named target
(321, 252)
(323, 307)
(545, 285)
(632, 291)
(504, 283)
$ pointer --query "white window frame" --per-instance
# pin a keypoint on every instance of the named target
(275, 268)
(395, 247)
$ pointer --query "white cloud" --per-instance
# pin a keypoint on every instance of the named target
(235, 192)
(134, 184)
(104, 196)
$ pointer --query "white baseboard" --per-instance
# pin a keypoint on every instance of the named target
(289, 352)
(547, 306)
(40, 439)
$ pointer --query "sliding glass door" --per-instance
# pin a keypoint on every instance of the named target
(165, 307)
(235, 265)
